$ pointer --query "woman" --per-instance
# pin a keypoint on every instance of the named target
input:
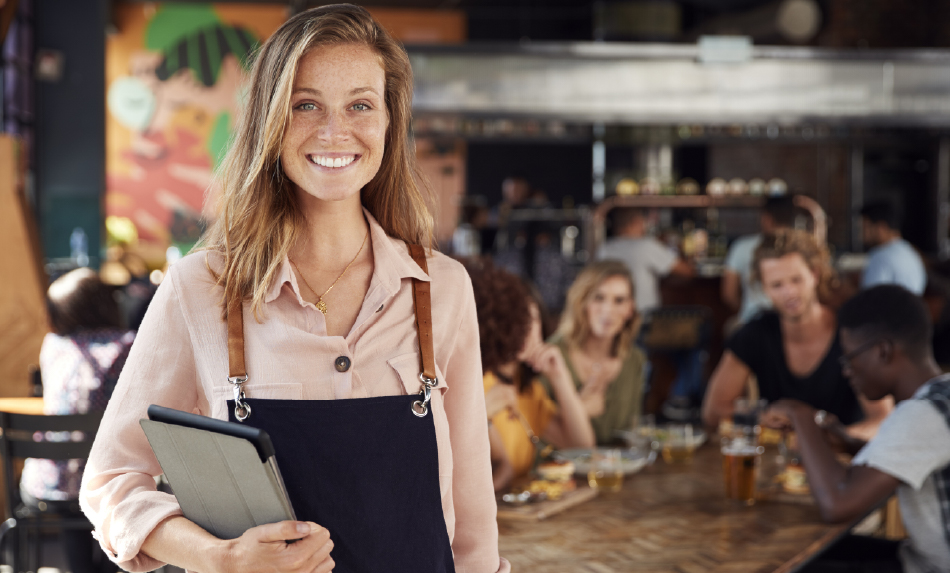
(596, 337)
(513, 354)
(80, 361)
(310, 259)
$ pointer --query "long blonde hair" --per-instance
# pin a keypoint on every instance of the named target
(574, 327)
(260, 218)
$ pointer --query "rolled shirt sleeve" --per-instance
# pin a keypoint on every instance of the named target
(475, 543)
(118, 492)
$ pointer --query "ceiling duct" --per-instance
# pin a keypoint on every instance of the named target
(667, 84)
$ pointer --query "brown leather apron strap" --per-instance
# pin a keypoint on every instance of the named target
(236, 368)
(422, 300)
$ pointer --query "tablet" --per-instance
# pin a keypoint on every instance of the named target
(257, 437)
(224, 475)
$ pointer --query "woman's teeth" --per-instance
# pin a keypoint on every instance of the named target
(332, 161)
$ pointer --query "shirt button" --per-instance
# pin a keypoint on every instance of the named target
(342, 363)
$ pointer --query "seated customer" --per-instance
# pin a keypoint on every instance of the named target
(793, 350)
(885, 333)
(513, 355)
(597, 340)
(80, 361)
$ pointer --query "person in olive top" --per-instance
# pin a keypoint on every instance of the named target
(597, 337)
(514, 354)
(793, 350)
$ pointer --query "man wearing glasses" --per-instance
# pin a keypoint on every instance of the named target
(793, 350)
(885, 335)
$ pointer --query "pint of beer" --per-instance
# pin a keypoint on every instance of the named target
(739, 463)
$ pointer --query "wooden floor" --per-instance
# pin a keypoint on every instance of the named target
(670, 519)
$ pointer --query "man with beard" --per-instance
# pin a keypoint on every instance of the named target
(793, 350)
(885, 333)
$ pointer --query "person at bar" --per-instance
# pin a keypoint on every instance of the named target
(738, 291)
(315, 313)
(80, 361)
(885, 335)
(649, 260)
(514, 355)
(792, 350)
(597, 338)
(891, 260)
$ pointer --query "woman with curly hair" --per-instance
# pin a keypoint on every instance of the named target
(793, 350)
(513, 355)
(596, 338)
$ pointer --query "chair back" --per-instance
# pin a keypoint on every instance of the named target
(37, 436)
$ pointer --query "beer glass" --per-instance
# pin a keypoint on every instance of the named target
(606, 470)
(679, 443)
(740, 462)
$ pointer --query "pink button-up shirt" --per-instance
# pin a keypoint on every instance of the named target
(180, 360)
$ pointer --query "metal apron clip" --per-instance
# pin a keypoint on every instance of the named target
(420, 407)
(242, 410)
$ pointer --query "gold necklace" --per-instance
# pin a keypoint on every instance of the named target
(321, 305)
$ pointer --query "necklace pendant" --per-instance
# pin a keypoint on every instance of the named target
(322, 306)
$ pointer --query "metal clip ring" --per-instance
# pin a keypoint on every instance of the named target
(430, 382)
(242, 410)
(421, 407)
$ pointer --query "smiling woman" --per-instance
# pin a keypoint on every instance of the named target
(301, 304)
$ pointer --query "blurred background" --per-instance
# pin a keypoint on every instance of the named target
(533, 121)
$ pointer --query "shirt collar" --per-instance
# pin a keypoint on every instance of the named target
(391, 259)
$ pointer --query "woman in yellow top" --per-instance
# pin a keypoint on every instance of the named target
(596, 339)
(513, 355)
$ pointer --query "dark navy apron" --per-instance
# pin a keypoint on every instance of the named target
(366, 469)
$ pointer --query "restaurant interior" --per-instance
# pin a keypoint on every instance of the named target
(546, 131)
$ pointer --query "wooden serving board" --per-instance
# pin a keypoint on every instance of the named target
(545, 509)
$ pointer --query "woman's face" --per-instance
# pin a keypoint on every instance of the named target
(534, 339)
(334, 143)
(609, 307)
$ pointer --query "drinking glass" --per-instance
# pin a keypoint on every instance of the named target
(606, 470)
(679, 443)
(741, 458)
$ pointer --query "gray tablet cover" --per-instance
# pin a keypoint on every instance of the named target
(220, 481)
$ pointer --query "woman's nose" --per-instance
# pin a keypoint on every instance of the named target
(334, 126)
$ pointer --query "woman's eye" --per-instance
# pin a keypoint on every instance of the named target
(361, 107)
(307, 106)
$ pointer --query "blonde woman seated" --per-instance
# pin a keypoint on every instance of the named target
(513, 354)
(597, 341)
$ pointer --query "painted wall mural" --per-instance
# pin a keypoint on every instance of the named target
(174, 75)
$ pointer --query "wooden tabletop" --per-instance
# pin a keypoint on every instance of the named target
(22, 405)
(670, 518)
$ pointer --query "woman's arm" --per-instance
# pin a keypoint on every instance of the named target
(570, 427)
(475, 543)
(262, 549)
(118, 492)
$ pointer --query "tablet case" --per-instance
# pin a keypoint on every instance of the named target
(224, 483)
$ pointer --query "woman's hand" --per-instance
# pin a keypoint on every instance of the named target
(264, 549)
(501, 397)
(547, 360)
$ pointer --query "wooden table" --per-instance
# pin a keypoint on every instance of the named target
(670, 519)
(22, 405)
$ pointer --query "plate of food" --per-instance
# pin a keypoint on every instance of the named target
(631, 461)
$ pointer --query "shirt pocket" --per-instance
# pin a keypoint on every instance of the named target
(275, 391)
(407, 367)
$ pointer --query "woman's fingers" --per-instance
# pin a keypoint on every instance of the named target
(282, 531)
